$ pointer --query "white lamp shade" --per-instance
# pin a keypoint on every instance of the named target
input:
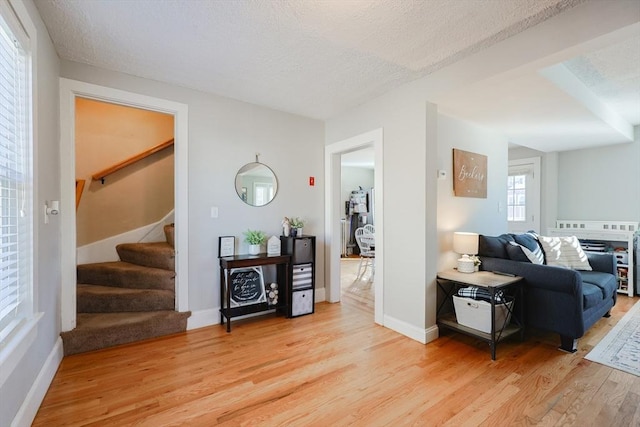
(465, 243)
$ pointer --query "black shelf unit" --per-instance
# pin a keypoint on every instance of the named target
(302, 273)
(283, 265)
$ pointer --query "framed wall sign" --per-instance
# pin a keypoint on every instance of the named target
(247, 286)
(469, 174)
(226, 246)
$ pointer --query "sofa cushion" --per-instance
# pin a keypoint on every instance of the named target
(591, 295)
(605, 282)
(491, 246)
(564, 252)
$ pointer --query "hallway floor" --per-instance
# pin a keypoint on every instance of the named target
(356, 293)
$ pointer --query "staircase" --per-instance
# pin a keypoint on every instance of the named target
(128, 300)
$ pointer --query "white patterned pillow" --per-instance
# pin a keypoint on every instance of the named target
(564, 252)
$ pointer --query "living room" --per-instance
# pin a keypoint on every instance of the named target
(222, 133)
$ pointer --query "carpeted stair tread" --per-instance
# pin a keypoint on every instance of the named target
(125, 275)
(99, 330)
(108, 299)
(156, 255)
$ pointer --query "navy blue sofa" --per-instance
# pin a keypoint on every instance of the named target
(557, 299)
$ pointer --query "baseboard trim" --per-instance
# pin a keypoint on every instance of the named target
(321, 295)
(423, 336)
(27, 412)
(203, 318)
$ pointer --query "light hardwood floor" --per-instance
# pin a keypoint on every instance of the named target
(357, 293)
(337, 368)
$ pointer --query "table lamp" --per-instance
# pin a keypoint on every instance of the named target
(465, 244)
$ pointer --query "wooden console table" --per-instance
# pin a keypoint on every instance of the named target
(240, 261)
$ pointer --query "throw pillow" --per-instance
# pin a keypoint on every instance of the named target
(494, 247)
(529, 241)
(564, 252)
(523, 254)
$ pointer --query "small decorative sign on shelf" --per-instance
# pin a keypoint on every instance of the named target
(273, 246)
(226, 246)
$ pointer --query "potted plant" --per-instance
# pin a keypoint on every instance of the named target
(296, 224)
(254, 238)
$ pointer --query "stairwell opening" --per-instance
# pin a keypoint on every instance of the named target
(125, 292)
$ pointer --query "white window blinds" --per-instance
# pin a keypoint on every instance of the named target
(16, 248)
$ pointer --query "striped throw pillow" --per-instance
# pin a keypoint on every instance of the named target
(535, 257)
(564, 252)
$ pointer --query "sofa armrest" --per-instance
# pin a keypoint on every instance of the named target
(555, 279)
(603, 262)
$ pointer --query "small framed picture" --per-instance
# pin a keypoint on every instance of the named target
(226, 246)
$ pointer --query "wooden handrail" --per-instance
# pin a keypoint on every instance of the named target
(79, 189)
(99, 176)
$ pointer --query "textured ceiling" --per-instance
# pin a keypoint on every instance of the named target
(320, 58)
(613, 75)
(313, 58)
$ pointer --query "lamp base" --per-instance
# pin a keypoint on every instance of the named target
(466, 265)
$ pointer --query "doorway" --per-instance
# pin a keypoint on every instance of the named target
(523, 195)
(357, 273)
(334, 211)
(69, 91)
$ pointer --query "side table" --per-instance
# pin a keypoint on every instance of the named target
(451, 280)
(238, 261)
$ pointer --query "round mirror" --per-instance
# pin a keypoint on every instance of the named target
(256, 184)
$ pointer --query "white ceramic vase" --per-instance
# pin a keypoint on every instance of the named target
(254, 249)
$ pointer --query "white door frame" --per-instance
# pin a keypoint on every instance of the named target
(69, 91)
(333, 213)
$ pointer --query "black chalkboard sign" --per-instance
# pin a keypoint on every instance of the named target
(247, 286)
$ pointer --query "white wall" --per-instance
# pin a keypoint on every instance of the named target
(224, 135)
(15, 401)
(592, 184)
(484, 216)
(600, 183)
(410, 251)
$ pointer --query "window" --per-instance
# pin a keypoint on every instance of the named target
(263, 193)
(16, 183)
(517, 198)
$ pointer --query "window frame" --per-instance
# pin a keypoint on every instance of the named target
(17, 339)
